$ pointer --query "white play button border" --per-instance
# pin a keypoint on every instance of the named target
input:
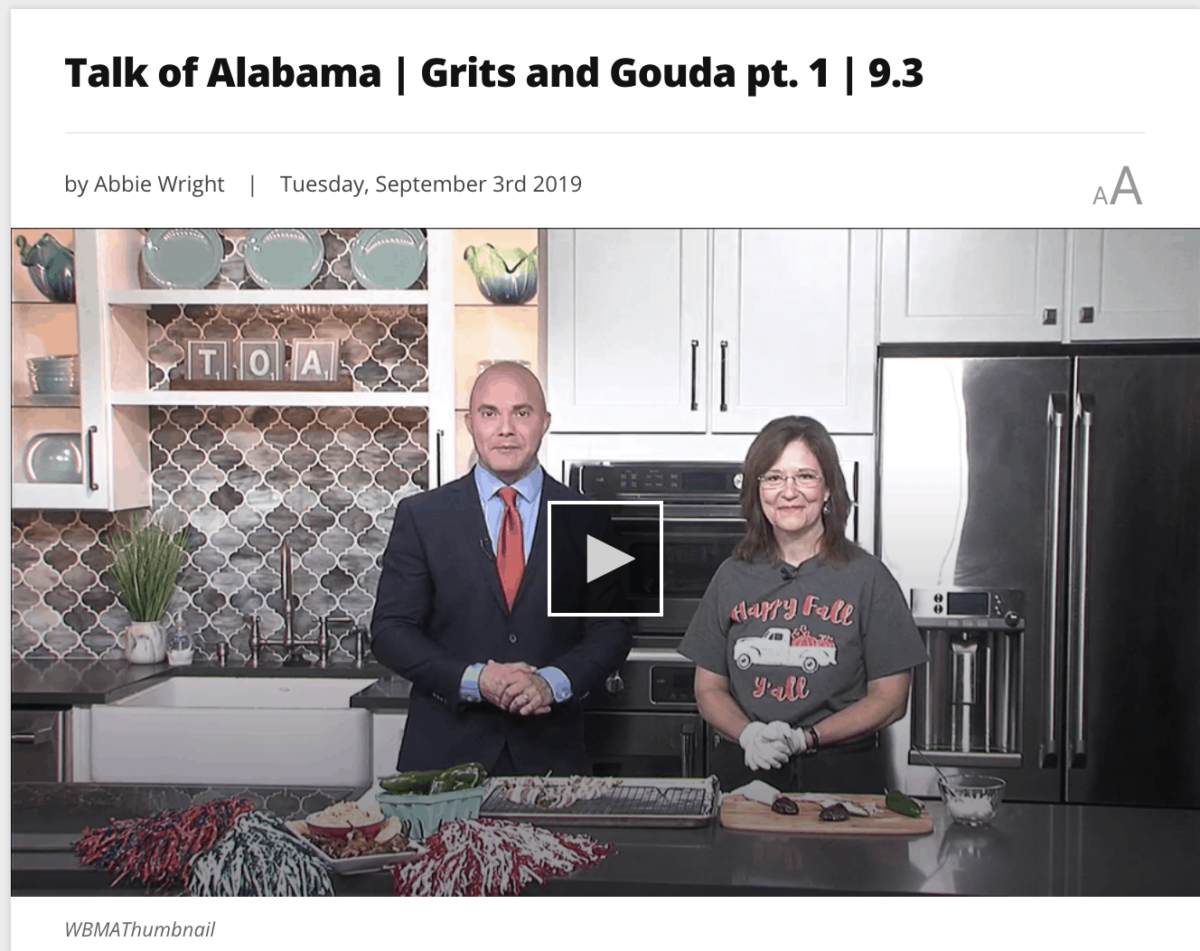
(601, 557)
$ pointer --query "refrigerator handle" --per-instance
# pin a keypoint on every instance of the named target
(1085, 412)
(1056, 421)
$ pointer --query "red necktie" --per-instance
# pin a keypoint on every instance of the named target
(510, 548)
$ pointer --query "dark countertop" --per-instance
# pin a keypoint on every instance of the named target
(1032, 850)
(49, 683)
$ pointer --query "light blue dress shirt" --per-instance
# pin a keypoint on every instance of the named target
(529, 497)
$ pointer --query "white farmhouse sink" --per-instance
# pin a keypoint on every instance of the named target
(293, 731)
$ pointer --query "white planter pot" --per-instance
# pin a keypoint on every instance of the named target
(145, 643)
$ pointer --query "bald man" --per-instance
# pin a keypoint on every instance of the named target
(495, 679)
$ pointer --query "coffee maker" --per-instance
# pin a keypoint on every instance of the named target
(966, 700)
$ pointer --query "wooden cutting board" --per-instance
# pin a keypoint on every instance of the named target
(738, 812)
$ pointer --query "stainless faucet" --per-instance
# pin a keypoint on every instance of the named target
(293, 648)
(286, 592)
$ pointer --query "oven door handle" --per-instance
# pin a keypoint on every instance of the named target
(668, 519)
(687, 749)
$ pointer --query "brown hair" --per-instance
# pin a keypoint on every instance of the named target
(759, 544)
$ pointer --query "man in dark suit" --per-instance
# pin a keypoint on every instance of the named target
(462, 603)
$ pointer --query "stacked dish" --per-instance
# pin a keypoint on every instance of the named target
(54, 375)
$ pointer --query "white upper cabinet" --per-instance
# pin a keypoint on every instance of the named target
(793, 328)
(984, 285)
(626, 340)
(696, 331)
(1027, 286)
(73, 448)
(1135, 285)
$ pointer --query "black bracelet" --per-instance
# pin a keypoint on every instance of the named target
(814, 741)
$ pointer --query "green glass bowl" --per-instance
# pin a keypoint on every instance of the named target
(507, 276)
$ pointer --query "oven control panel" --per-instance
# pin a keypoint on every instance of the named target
(967, 608)
(681, 481)
(651, 679)
(671, 683)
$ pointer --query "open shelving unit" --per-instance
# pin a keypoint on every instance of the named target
(111, 323)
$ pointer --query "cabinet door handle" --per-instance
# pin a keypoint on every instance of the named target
(1050, 316)
(1087, 315)
(854, 501)
(437, 456)
(724, 356)
(695, 349)
(91, 459)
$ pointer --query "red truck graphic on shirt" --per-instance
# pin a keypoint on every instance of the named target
(779, 647)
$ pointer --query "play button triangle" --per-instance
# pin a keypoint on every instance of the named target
(603, 558)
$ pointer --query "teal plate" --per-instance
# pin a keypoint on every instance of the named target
(54, 457)
(182, 257)
(388, 258)
(281, 258)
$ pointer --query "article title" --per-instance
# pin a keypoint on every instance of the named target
(241, 72)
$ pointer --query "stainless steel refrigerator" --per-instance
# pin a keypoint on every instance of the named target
(1043, 512)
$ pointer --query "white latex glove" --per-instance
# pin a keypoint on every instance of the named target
(764, 744)
(797, 740)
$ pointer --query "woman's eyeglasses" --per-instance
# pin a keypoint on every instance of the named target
(773, 481)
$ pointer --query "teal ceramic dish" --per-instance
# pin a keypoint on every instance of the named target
(388, 258)
(54, 457)
(503, 277)
(187, 258)
(427, 813)
(284, 258)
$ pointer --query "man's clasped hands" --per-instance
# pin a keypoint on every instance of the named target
(515, 687)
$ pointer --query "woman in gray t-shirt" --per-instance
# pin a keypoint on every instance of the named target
(803, 642)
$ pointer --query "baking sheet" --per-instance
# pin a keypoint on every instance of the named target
(364, 863)
(648, 802)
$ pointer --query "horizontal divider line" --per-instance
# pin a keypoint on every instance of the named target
(311, 132)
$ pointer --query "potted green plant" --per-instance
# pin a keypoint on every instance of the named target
(147, 559)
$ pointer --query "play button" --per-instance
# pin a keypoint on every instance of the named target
(602, 558)
(603, 555)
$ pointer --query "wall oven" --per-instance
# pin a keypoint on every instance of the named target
(645, 721)
(702, 523)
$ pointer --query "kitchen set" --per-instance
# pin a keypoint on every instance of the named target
(1015, 414)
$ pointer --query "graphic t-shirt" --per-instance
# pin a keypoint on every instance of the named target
(798, 645)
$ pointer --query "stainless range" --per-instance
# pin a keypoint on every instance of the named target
(646, 722)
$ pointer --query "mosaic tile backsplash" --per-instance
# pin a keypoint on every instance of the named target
(325, 479)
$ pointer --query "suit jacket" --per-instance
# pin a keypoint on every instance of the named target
(440, 608)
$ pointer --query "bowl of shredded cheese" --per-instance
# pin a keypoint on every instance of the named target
(972, 800)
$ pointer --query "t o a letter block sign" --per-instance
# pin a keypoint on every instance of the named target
(208, 359)
(260, 360)
(315, 361)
